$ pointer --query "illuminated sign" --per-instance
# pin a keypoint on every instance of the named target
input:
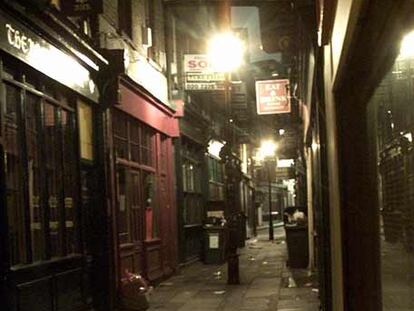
(272, 97)
(24, 44)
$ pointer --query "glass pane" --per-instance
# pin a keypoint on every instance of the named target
(184, 172)
(33, 158)
(190, 173)
(123, 228)
(134, 140)
(151, 208)
(134, 152)
(121, 148)
(119, 124)
(147, 146)
(70, 178)
(136, 206)
(53, 149)
(85, 116)
(14, 178)
(392, 117)
(120, 129)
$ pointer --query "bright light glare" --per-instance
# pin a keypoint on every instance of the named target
(214, 148)
(407, 46)
(267, 149)
(225, 52)
(285, 163)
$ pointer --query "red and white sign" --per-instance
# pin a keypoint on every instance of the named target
(199, 76)
(272, 96)
(197, 63)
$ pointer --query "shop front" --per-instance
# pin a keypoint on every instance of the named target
(368, 63)
(143, 129)
(48, 99)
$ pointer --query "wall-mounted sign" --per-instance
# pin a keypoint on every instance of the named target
(24, 44)
(81, 7)
(272, 96)
(199, 75)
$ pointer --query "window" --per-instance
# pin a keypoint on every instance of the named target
(135, 146)
(147, 146)
(15, 187)
(33, 128)
(215, 174)
(125, 16)
(151, 207)
(41, 173)
(122, 217)
(85, 131)
(392, 129)
(193, 212)
(120, 129)
(133, 140)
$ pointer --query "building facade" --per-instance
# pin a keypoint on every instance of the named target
(51, 176)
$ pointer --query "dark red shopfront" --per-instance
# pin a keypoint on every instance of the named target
(145, 220)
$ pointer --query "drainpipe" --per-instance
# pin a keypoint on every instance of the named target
(311, 264)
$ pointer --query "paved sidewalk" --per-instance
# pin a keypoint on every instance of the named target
(266, 284)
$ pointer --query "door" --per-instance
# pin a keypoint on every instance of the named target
(130, 220)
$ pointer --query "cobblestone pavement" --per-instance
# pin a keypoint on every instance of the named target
(266, 284)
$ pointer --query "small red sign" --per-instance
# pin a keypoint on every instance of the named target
(272, 96)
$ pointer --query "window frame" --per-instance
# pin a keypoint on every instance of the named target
(26, 253)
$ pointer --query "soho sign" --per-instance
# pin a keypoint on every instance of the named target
(18, 39)
(196, 63)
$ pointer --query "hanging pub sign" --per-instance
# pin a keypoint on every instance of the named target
(272, 96)
(81, 7)
(199, 76)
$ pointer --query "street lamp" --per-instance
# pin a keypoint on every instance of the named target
(225, 54)
(267, 152)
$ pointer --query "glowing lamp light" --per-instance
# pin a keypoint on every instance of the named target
(407, 46)
(267, 149)
(214, 148)
(225, 52)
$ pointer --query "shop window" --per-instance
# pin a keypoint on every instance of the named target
(41, 174)
(147, 146)
(54, 177)
(136, 205)
(151, 207)
(120, 129)
(193, 209)
(122, 217)
(85, 131)
(33, 128)
(70, 177)
(215, 173)
(392, 126)
(134, 141)
(14, 178)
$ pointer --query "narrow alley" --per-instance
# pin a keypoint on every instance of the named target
(173, 155)
(266, 283)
